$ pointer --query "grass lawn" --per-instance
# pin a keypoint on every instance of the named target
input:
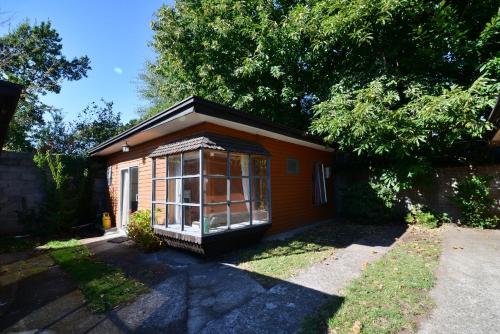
(104, 287)
(276, 260)
(391, 293)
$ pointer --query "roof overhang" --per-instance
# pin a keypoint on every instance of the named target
(9, 96)
(195, 110)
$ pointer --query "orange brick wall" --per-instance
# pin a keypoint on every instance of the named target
(292, 194)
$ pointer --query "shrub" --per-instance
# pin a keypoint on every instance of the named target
(424, 218)
(67, 184)
(472, 195)
(140, 231)
(362, 204)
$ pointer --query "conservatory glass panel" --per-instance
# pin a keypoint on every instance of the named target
(215, 162)
(191, 163)
(215, 218)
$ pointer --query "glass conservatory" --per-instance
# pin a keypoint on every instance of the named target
(209, 185)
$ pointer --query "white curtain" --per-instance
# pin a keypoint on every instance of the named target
(245, 181)
(125, 197)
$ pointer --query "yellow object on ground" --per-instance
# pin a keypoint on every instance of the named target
(106, 220)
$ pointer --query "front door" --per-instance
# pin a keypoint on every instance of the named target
(129, 194)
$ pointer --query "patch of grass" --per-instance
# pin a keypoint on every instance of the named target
(16, 244)
(104, 287)
(278, 260)
(391, 293)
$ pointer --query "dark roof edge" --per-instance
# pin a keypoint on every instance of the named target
(10, 88)
(232, 114)
(211, 109)
(176, 108)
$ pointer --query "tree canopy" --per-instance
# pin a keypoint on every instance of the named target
(93, 125)
(31, 55)
(393, 80)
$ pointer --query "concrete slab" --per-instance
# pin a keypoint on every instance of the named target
(467, 293)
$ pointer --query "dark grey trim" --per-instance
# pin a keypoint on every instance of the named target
(212, 109)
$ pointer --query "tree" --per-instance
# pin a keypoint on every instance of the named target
(31, 55)
(93, 125)
(397, 81)
(241, 53)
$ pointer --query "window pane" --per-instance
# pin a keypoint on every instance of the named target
(160, 214)
(259, 190)
(260, 212)
(238, 164)
(214, 218)
(259, 166)
(191, 190)
(174, 165)
(174, 216)
(215, 162)
(240, 214)
(240, 189)
(191, 163)
(161, 167)
(160, 192)
(191, 218)
(215, 190)
(174, 190)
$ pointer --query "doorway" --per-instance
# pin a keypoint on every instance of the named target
(129, 198)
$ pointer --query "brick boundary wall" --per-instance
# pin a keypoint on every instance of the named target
(20, 182)
(438, 190)
(435, 192)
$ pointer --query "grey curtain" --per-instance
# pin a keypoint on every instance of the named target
(319, 196)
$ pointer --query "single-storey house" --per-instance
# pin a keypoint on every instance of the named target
(215, 176)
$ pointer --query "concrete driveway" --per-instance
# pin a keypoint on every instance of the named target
(192, 295)
(467, 293)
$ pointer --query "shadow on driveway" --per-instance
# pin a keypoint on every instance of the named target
(189, 294)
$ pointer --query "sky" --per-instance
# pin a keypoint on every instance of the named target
(113, 34)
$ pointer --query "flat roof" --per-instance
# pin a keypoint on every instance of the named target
(194, 110)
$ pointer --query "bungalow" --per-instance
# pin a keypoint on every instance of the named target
(214, 176)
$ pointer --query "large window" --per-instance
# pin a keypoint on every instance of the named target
(176, 191)
(234, 191)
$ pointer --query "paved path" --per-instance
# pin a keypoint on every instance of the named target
(467, 293)
(190, 295)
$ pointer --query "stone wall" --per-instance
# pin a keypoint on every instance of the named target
(21, 188)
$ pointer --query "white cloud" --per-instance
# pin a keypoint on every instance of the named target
(118, 70)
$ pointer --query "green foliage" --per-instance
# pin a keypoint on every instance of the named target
(67, 184)
(363, 204)
(140, 231)
(474, 199)
(397, 81)
(94, 125)
(104, 287)
(279, 58)
(31, 55)
(421, 217)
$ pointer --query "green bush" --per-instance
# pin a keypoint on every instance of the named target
(419, 216)
(472, 195)
(362, 204)
(67, 184)
(140, 231)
